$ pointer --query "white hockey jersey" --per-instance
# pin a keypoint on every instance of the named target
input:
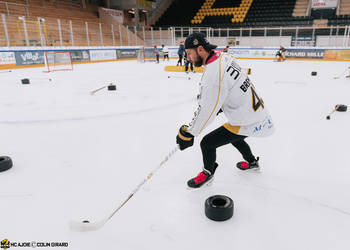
(224, 85)
(165, 50)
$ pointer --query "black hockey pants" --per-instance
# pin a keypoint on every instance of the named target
(219, 137)
(186, 65)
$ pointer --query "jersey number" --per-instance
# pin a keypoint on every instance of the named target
(257, 101)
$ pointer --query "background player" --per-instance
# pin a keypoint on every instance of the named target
(281, 54)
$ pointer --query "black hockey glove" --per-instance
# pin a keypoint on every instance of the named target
(183, 138)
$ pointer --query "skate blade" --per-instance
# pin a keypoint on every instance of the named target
(208, 184)
(253, 170)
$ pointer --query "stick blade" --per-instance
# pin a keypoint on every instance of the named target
(85, 227)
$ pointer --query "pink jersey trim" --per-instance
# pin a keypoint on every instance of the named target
(214, 57)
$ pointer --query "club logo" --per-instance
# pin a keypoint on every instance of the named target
(195, 42)
(5, 244)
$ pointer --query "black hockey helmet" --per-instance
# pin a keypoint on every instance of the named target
(198, 39)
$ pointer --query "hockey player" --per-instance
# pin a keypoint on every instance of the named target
(226, 88)
(165, 52)
(187, 62)
(281, 54)
(180, 52)
(156, 52)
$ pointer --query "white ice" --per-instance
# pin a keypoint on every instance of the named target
(78, 156)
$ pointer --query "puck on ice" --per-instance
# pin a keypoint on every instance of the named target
(86, 221)
(218, 207)
(328, 117)
(25, 81)
(5, 163)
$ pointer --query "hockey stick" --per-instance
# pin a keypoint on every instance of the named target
(337, 77)
(338, 107)
(87, 226)
(187, 77)
(96, 90)
(329, 116)
(41, 78)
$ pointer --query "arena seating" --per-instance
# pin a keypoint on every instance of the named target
(339, 20)
(66, 11)
(234, 13)
(180, 13)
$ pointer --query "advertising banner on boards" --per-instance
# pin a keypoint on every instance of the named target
(29, 57)
(7, 58)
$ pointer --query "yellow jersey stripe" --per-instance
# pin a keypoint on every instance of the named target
(232, 129)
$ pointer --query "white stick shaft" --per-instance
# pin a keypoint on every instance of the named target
(83, 227)
(171, 153)
(94, 91)
(333, 111)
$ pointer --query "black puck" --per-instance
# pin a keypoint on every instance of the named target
(25, 81)
(86, 221)
(219, 208)
(112, 87)
(5, 163)
(341, 107)
(328, 117)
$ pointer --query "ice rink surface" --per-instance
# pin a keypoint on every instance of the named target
(78, 156)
